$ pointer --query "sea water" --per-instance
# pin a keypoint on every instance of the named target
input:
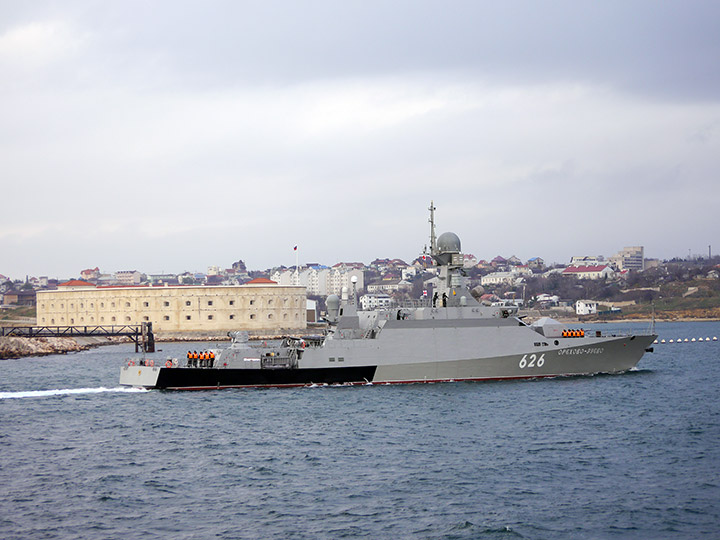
(617, 456)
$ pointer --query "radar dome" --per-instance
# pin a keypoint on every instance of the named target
(448, 242)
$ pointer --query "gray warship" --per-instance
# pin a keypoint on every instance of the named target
(450, 337)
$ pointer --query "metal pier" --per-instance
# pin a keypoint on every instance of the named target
(141, 334)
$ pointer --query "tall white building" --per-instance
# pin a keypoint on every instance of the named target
(322, 281)
(630, 258)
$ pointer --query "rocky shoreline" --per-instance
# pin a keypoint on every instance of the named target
(19, 347)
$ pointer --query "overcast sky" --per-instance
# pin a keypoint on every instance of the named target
(171, 136)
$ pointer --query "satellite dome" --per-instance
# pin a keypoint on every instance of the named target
(448, 242)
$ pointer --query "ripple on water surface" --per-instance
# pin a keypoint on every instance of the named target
(631, 456)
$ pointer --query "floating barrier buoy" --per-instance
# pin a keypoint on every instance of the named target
(693, 340)
(672, 341)
(662, 341)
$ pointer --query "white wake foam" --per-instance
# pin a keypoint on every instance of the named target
(67, 392)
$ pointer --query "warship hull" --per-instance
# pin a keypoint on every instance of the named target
(364, 363)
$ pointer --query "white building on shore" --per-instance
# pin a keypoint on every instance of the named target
(321, 280)
(586, 307)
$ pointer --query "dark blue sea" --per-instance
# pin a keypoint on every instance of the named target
(607, 457)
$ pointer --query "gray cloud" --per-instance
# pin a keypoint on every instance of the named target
(172, 136)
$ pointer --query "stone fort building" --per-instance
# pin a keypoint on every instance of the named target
(260, 305)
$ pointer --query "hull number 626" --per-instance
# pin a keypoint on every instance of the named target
(531, 361)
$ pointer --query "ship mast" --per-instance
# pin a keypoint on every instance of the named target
(433, 239)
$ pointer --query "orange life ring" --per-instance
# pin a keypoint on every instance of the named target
(168, 363)
(150, 363)
(131, 362)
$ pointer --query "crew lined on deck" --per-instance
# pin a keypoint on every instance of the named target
(200, 359)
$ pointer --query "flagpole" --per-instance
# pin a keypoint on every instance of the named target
(297, 266)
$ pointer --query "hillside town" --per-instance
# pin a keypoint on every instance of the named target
(625, 282)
